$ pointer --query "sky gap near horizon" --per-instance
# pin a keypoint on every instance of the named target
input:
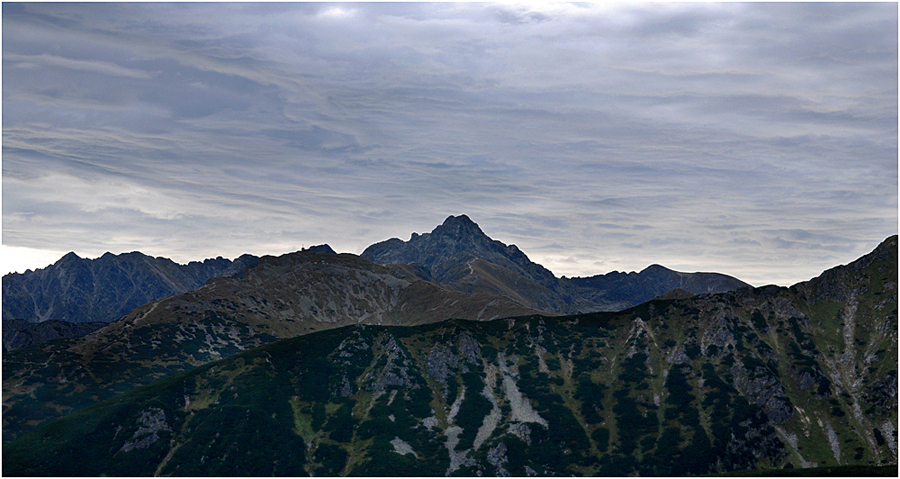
(755, 140)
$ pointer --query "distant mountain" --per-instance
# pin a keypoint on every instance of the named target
(459, 254)
(449, 247)
(767, 379)
(104, 289)
(18, 333)
(616, 291)
(279, 297)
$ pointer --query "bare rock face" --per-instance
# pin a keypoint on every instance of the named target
(441, 362)
(396, 371)
(469, 347)
(151, 422)
(766, 391)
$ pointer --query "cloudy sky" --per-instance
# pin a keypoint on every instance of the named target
(758, 140)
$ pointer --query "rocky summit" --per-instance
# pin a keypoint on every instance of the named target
(446, 251)
(770, 380)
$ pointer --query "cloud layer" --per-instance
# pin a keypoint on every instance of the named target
(758, 140)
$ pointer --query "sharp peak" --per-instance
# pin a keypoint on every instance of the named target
(70, 256)
(459, 224)
(461, 219)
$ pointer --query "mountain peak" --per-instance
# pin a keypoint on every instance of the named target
(460, 225)
(322, 248)
(448, 252)
(656, 268)
(461, 219)
(68, 258)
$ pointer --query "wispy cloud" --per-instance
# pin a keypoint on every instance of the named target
(699, 136)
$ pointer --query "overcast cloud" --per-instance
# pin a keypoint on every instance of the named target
(757, 140)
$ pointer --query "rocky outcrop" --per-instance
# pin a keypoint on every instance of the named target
(766, 391)
(396, 370)
(441, 362)
(151, 423)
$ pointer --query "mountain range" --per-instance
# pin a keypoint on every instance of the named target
(375, 378)
(456, 254)
(450, 353)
